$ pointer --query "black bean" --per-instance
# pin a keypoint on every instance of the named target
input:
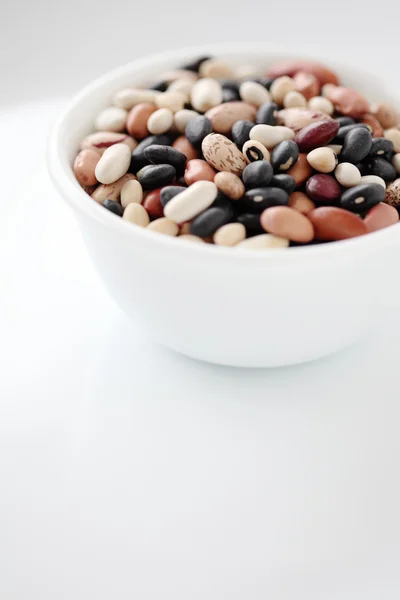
(381, 167)
(284, 155)
(113, 206)
(195, 64)
(230, 84)
(251, 221)
(381, 146)
(159, 86)
(165, 155)
(389, 155)
(229, 96)
(257, 199)
(197, 129)
(154, 176)
(343, 121)
(284, 182)
(138, 159)
(209, 221)
(362, 168)
(266, 113)
(241, 131)
(222, 201)
(343, 131)
(169, 192)
(356, 145)
(362, 197)
(257, 174)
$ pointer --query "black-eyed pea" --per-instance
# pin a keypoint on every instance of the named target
(280, 87)
(294, 99)
(165, 226)
(254, 150)
(135, 213)
(230, 234)
(131, 192)
(323, 159)
(160, 121)
(321, 104)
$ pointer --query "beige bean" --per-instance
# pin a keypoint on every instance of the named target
(263, 241)
(321, 104)
(101, 140)
(224, 115)
(323, 159)
(182, 118)
(287, 223)
(373, 179)
(269, 135)
(136, 123)
(396, 162)
(347, 174)
(128, 98)
(280, 87)
(160, 121)
(112, 118)
(85, 166)
(393, 135)
(300, 202)
(135, 213)
(191, 238)
(387, 115)
(113, 164)
(206, 93)
(246, 72)
(131, 192)
(174, 74)
(253, 150)
(337, 148)
(327, 89)
(165, 226)
(294, 99)
(191, 202)
(254, 93)
(216, 68)
(111, 191)
(297, 118)
(230, 234)
(183, 86)
(173, 100)
(229, 184)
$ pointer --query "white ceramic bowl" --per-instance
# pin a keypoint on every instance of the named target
(227, 306)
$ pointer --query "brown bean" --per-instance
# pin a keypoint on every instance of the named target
(152, 204)
(323, 188)
(333, 224)
(301, 171)
(316, 135)
(101, 140)
(291, 67)
(183, 145)
(85, 165)
(225, 115)
(380, 216)
(300, 202)
(307, 84)
(393, 193)
(297, 118)
(387, 115)
(348, 101)
(111, 191)
(198, 170)
(373, 122)
(136, 123)
(286, 222)
(229, 184)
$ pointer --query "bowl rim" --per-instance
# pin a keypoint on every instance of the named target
(63, 178)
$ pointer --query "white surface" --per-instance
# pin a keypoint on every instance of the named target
(127, 471)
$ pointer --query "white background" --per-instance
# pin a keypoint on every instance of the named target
(127, 471)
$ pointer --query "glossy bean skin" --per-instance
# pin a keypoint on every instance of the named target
(154, 176)
(343, 131)
(114, 207)
(209, 221)
(183, 145)
(266, 113)
(85, 166)
(356, 145)
(229, 184)
(380, 146)
(316, 135)
(301, 171)
(137, 119)
(287, 223)
(197, 129)
(382, 168)
(333, 224)
(158, 154)
(241, 132)
(381, 216)
(362, 197)
(138, 159)
(323, 188)
(301, 202)
(257, 174)
(153, 205)
(169, 192)
(284, 182)
(258, 199)
(251, 222)
(284, 155)
(198, 170)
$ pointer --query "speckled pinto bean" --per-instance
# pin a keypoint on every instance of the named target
(244, 156)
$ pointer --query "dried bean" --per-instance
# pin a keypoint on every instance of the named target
(198, 170)
(113, 207)
(209, 221)
(154, 176)
(131, 192)
(160, 121)
(300, 202)
(158, 154)
(197, 129)
(191, 202)
(393, 193)
(225, 116)
(229, 184)
(251, 221)
(206, 93)
(241, 132)
(284, 155)
(393, 135)
(135, 213)
(253, 151)
(284, 182)
(301, 171)
(381, 146)
(323, 188)
(165, 226)
(333, 224)
(323, 160)
(111, 119)
(85, 166)
(254, 93)
(362, 197)
(222, 154)
(285, 222)
(138, 159)
(263, 241)
(373, 179)
(230, 234)
(183, 145)
(113, 164)
(257, 174)
(381, 216)
(257, 199)
(169, 192)
(307, 84)
(321, 104)
(182, 118)
(316, 135)
(136, 123)
(382, 168)
(266, 114)
(356, 146)
(347, 175)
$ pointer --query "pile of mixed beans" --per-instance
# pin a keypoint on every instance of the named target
(231, 156)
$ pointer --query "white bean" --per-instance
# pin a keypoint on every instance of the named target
(173, 100)
(323, 159)
(182, 118)
(165, 226)
(131, 192)
(216, 68)
(347, 174)
(321, 104)
(280, 87)
(254, 93)
(264, 240)
(160, 121)
(113, 164)
(191, 202)
(294, 100)
(393, 135)
(135, 213)
(373, 179)
(396, 162)
(206, 93)
(269, 135)
(183, 86)
(129, 97)
(230, 234)
(111, 119)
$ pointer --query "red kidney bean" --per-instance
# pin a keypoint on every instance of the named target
(291, 67)
(333, 224)
(381, 216)
(153, 204)
(183, 145)
(287, 223)
(323, 188)
(316, 135)
(198, 170)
